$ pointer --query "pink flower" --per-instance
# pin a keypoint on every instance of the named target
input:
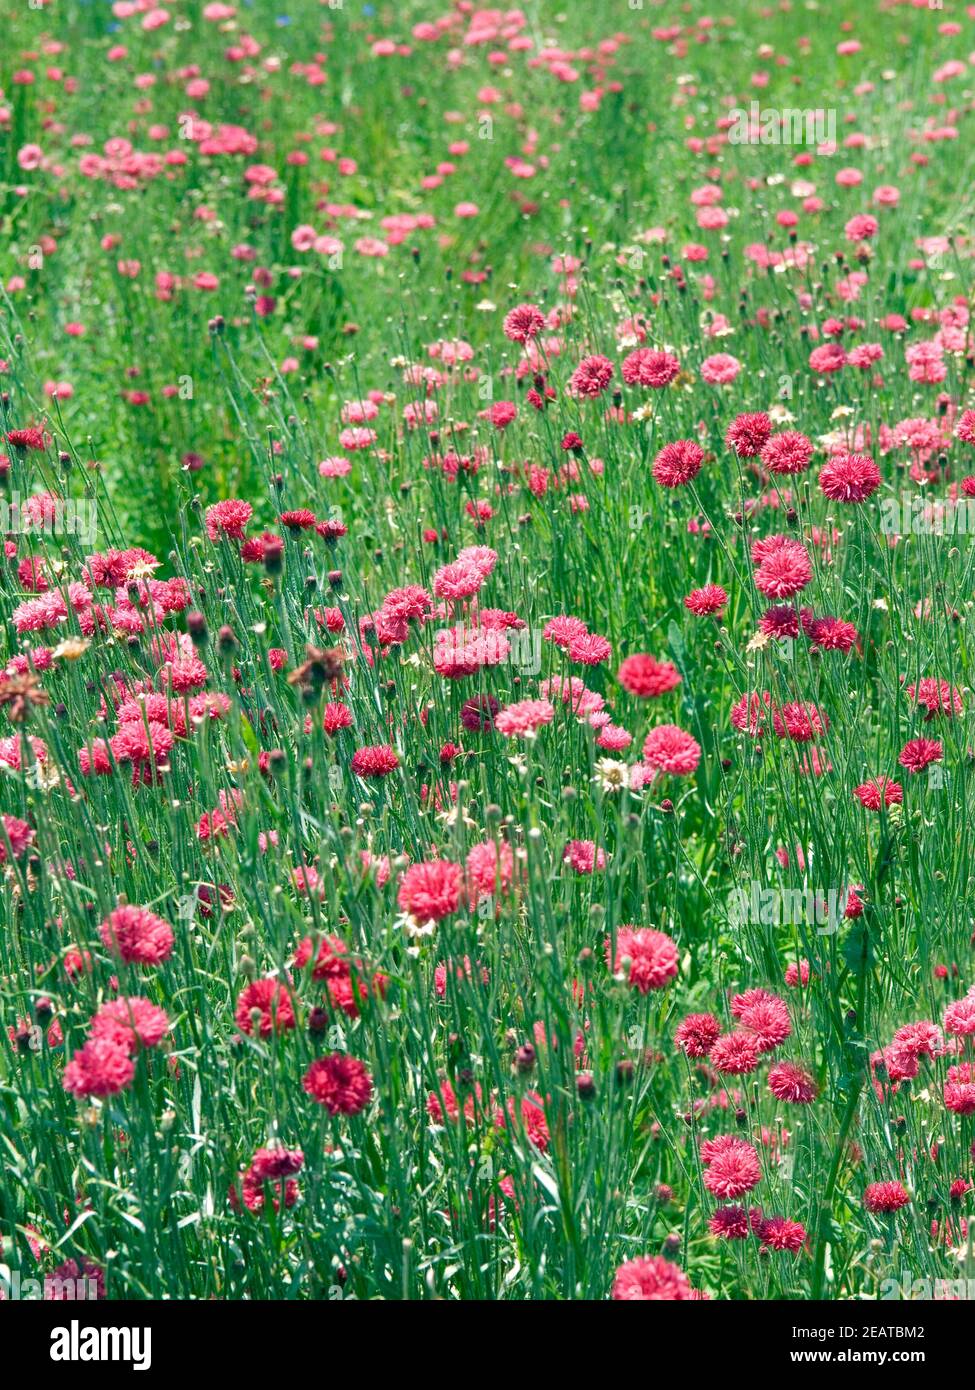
(650, 1278)
(735, 1054)
(733, 1170)
(228, 519)
(591, 377)
(523, 323)
(652, 957)
(959, 1018)
(376, 761)
(849, 478)
(584, 857)
(720, 370)
(696, 1034)
(137, 935)
(791, 1083)
(131, 1023)
(669, 749)
(784, 567)
(101, 1068)
(524, 718)
(647, 367)
(862, 227)
(17, 834)
(431, 890)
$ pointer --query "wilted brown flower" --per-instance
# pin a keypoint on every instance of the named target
(320, 667)
(19, 693)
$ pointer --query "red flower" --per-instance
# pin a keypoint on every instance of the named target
(731, 1223)
(271, 1000)
(379, 760)
(678, 463)
(275, 1165)
(832, 634)
(477, 714)
(33, 437)
(276, 1162)
(883, 1197)
(959, 1089)
(644, 676)
(137, 742)
(881, 791)
(849, 478)
(776, 1233)
(788, 452)
(527, 1116)
(763, 1015)
(711, 599)
(300, 520)
(340, 1083)
(779, 622)
(919, 753)
(747, 434)
(784, 567)
(937, 697)
(733, 1170)
(130, 1023)
(959, 1017)
(801, 723)
(735, 1054)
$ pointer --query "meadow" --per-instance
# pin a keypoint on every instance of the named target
(487, 650)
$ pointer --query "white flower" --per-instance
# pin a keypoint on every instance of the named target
(611, 774)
